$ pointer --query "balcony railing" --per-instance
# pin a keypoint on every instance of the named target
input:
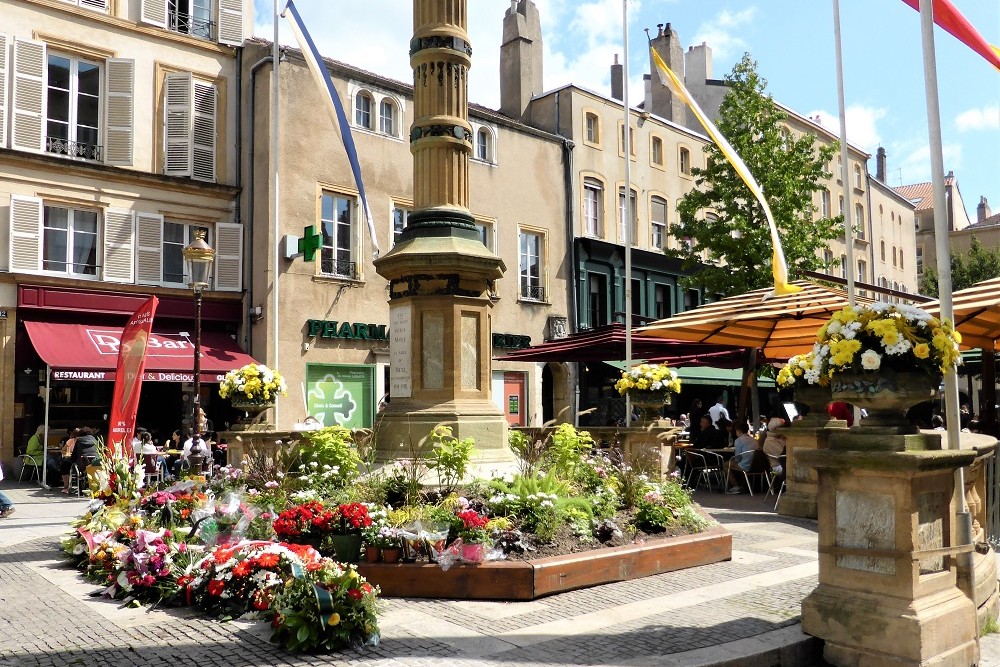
(73, 148)
(341, 269)
(184, 22)
(533, 292)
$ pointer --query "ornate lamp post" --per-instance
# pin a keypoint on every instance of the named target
(198, 256)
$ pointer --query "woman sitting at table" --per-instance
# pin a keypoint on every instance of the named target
(39, 455)
(66, 463)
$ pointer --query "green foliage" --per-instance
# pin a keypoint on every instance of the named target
(667, 504)
(737, 239)
(524, 485)
(547, 524)
(449, 456)
(529, 452)
(565, 449)
(331, 450)
(977, 265)
(575, 506)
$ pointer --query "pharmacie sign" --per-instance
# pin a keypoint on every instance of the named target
(353, 330)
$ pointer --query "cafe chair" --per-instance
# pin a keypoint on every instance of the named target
(760, 468)
(151, 468)
(76, 479)
(777, 478)
(28, 462)
(703, 465)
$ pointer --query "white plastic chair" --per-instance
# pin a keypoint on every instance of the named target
(28, 462)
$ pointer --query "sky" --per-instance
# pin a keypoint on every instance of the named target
(791, 40)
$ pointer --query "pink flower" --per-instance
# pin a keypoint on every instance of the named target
(271, 485)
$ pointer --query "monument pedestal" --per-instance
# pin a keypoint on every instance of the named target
(887, 591)
(808, 434)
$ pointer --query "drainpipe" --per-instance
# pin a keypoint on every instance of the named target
(871, 231)
(572, 307)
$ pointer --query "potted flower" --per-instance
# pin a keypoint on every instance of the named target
(349, 521)
(802, 375)
(885, 358)
(649, 387)
(308, 523)
(389, 544)
(252, 388)
(474, 535)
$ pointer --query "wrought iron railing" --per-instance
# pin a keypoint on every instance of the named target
(184, 22)
(73, 148)
(340, 268)
(533, 292)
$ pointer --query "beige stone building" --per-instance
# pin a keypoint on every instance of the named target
(117, 142)
(333, 325)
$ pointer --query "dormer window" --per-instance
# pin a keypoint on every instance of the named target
(363, 111)
(387, 117)
(484, 148)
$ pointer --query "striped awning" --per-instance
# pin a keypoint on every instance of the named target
(977, 313)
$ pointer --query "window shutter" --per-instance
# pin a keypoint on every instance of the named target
(120, 81)
(119, 232)
(25, 233)
(148, 248)
(177, 124)
(95, 4)
(229, 257)
(154, 12)
(27, 129)
(231, 22)
(4, 41)
(203, 133)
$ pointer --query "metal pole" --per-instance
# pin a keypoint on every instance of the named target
(45, 440)
(275, 226)
(626, 211)
(196, 402)
(845, 170)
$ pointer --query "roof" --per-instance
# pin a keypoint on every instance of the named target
(991, 221)
(922, 194)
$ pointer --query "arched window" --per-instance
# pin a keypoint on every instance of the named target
(882, 248)
(658, 222)
(484, 148)
(363, 110)
(593, 207)
(387, 117)
(684, 159)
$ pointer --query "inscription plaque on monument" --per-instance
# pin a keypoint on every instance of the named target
(432, 345)
(470, 351)
(400, 350)
(866, 521)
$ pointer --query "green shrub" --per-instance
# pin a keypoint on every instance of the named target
(331, 453)
(528, 451)
(566, 446)
(547, 524)
(449, 456)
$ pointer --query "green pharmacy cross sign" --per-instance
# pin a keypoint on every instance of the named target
(310, 243)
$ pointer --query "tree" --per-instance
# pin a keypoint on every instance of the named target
(723, 220)
(966, 270)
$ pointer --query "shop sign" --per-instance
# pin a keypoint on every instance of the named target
(341, 395)
(354, 330)
(511, 341)
(148, 376)
(3, 314)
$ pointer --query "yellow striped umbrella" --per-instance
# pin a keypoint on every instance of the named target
(977, 313)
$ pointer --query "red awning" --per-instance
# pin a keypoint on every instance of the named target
(85, 352)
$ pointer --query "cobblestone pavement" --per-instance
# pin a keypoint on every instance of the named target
(49, 618)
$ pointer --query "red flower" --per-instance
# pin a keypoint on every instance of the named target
(312, 567)
(355, 594)
(222, 555)
(367, 588)
(261, 601)
(472, 519)
(184, 580)
(267, 560)
(215, 587)
(242, 569)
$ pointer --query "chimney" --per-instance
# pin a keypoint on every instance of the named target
(983, 210)
(667, 44)
(520, 58)
(617, 80)
(697, 65)
(880, 164)
(647, 85)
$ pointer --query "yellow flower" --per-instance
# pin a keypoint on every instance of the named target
(334, 619)
(921, 351)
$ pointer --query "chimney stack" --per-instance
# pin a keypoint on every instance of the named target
(520, 58)
(617, 80)
(880, 164)
(667, 44)
(983, 210)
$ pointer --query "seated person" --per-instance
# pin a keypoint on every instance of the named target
(773, 442)
(742, 459)
(707, 437)
(65, 463)
(39, 456)
(202, 448)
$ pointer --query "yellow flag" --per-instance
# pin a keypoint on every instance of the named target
(779, 268)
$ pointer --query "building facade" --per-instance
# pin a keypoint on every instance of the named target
(117, 143)
(922, 197)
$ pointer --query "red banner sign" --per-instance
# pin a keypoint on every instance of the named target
(128, 377)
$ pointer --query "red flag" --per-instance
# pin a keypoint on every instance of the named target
(949, 18)
(128, 378)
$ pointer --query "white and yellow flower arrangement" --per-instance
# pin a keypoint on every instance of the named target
(800, 369)
(652, 378)
(253, 383)
(878, 336)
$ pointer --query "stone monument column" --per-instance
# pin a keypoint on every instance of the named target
(807, 434)
(439, 272)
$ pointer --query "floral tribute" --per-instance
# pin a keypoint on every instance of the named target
(473, 527)
(878, 336)
(649, 378)
(254, 383)
(799, 370)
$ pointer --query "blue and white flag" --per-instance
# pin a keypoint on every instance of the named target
(336, 109)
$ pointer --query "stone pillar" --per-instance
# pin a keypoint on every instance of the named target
(810, 433)
(439, 271)
(887, 592)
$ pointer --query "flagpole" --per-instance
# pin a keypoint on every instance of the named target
(626, 211)
(275, 226)
(845, 162)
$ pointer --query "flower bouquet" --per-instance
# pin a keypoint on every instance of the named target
(307, 523)
(800, 370)
(474, 535)
(649, 386)
(253, 385)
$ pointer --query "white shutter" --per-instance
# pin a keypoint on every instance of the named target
(203, 132)
(95, 4)
(231, 22)
(25, 234)
(119, 233)
(154, 12)
(119, 134)
(4, 42)
(148, 248)
(28, 117)
(177, 124)
(228, 257)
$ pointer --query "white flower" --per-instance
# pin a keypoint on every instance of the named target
(834, 327)
(871, 360)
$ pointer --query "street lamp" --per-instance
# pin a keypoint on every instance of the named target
(198, 256)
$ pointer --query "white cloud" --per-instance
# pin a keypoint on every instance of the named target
(915, 164)
(985, 118)
(861, 124)
(720, 32)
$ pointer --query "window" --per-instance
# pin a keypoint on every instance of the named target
(593, 128)
(363, 111)
(387, 118)
(859, 221)
(656, 152)
(841, 201)
(621, 139)
(485, 230)
(399, 216)
(69, 241)
(843, 266)
(176, 235)
(593, 207)
(786, 139)
(337, 221)
(827, 260)
(661, 302)
(893, 255)
(658, 222)
(857, 176)
(531, 267)
(881, 245)
(631, 235)
(825, 203)
(484, 146)
(597, 288)
(73, 99)
(840, 169)
(691, 299)
(191, 17)
(862, 271)
(901, 258)
(920, 260)
(685, 161)
(189, 126)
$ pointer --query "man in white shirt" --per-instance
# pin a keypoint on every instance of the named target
(718, 410)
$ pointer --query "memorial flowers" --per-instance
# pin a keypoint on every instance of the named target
(800, 369)
(311, 519)
(870, 338)
(253, 383)
(654, 378)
